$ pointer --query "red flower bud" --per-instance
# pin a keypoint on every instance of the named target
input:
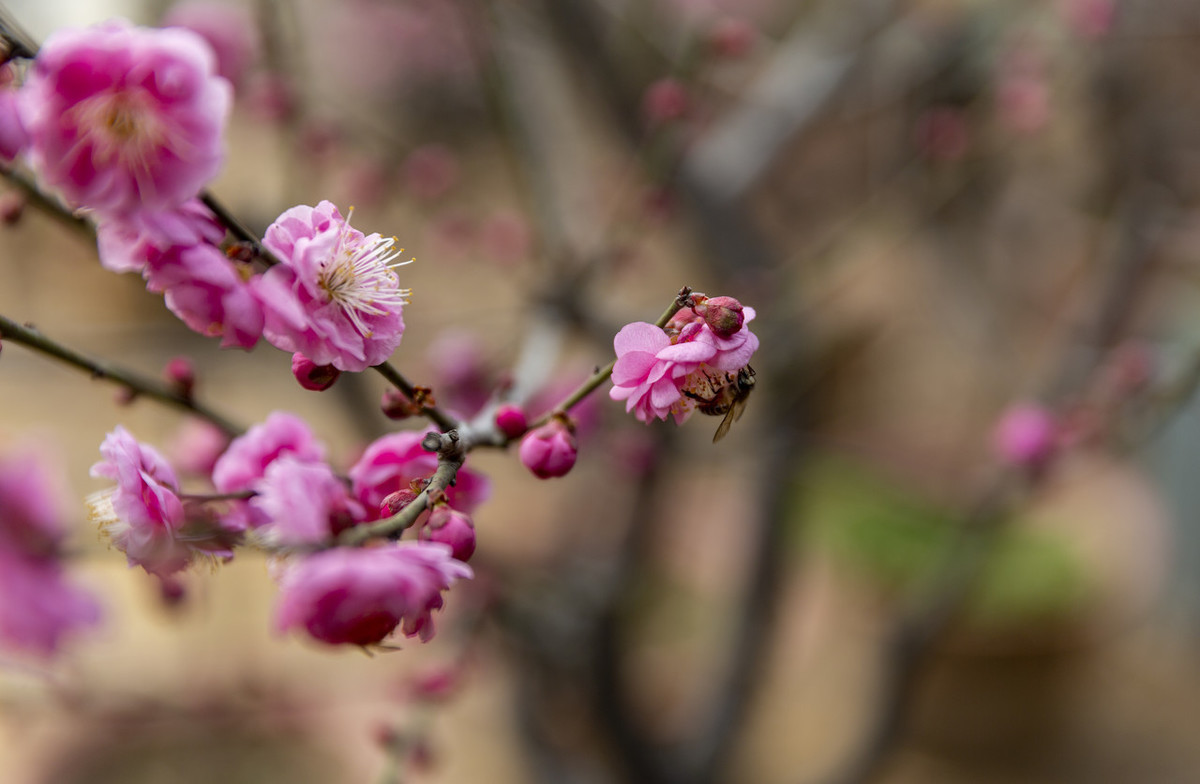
(312, 376)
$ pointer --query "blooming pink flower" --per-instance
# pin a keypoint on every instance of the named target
(246, 460)
(196, 446)
(392, 462)
(38, 606)
(451, 528)
(204, 289)
(303, 502)
(127, 243)
(550, 450)
(228, 29)
(143, 514)
(336, 298)
(360, 595)
(654, 367)
(123, 118)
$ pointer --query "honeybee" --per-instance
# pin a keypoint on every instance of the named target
(728, 398)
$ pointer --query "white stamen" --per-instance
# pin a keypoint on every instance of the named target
(360, 277)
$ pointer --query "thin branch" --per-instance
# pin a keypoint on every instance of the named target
(432, 413)
(450, 458)
(49, 205)
(238, 229)
(145, 387)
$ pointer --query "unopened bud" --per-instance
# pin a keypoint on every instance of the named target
(550, 451)
(450, 527)
(394, 503)
(723, 315)
(396, 405)
(511, 421)
(1026, 436)
(181, 374)
(312, 376)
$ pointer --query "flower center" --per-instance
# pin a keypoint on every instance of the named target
(360, 277)
(123, 127)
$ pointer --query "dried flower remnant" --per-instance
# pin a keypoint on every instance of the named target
(336, 297)
(123, 118)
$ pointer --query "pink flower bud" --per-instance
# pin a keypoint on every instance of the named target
(394, 503)
(312, 376)
(731, 37)
(1025, 436)
(549, 451)
(453, 528)
(180, 373)
(665, 101)
(723, 315)
(395, 405)
(511, 421)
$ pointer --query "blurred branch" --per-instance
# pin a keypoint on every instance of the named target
(145, 387)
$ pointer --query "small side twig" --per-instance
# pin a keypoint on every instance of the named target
(432, 413)
(145, 387)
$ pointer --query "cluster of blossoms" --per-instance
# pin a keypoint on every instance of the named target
(274, 487)
(39, 607)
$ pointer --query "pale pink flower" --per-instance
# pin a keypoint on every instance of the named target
(229, 29)
(39, 608)
(336, 297)
(303, 503)
(247, 458)
(392, 462)
(359, 596)
(143, 514)
(550, 450)
(122, 118)
(451, 528)
(654, 367)
(196, 446)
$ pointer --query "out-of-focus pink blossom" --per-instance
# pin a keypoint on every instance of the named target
(312, 376)
(128, 243)
(31, 504)
(245, 461)
(39, 608)
(430, 172)
(303, 503)
(204, 289)
(941, 134)
(143, 514)
(664, 101)
(336, 297)
(654, 367)
(1026, 435)
(359, 596)
(451, 528)
(196, 446)
(732, 37)
(511, 420)
(229, 29)
(505, 237)
(1090, 19)
(270, 97)
(392, 462)
(460, 371)
(13, 136)
(550, 450)
(123, 118)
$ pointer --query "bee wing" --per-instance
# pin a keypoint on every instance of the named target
(732, 415)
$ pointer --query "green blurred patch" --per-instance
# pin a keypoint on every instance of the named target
(894, 538)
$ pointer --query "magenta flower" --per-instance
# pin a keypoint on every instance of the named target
(123, 118)
(360, 595)
(550, 450)
(654, 367)
(127, 243)
(311, 376)
(303, 503)
(336, 297)
(143, 514)
(246, 460)
(392, 462)
(38, 606)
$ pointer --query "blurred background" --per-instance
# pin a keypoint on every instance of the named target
(943, 211)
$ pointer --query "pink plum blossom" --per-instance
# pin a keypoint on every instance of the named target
(246, 460)
(204, 290)
(228, 29)
(127, 243)
(31, 504)
(359, 596)
(39, 608)
(123, 118)
(451, 528)
(550, 450)
(392, 462)
(336, 297)
(655, 367)
(196, 446)
(303, 503)
(143, 514)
